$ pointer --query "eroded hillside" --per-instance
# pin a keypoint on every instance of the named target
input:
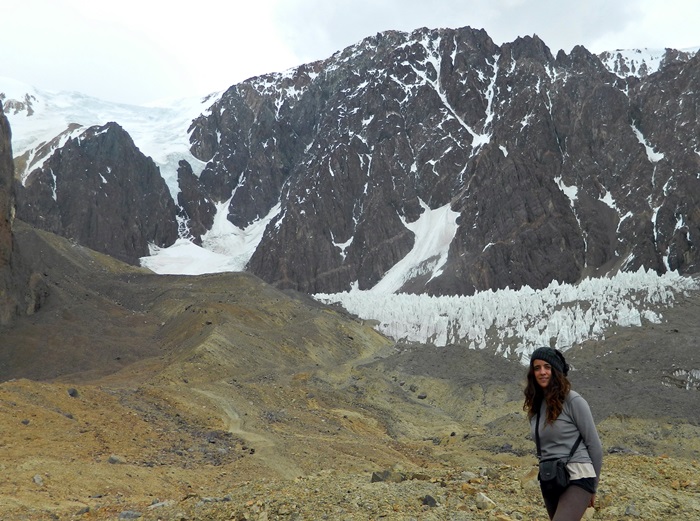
(219, 397)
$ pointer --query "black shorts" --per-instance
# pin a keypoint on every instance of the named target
(587, 484)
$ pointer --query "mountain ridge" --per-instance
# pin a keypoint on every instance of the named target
(289, 139)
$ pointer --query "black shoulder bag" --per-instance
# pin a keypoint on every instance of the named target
(553, 475)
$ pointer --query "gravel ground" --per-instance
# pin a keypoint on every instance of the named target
(131, 396)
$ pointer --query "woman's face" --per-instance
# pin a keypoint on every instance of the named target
(543, 372)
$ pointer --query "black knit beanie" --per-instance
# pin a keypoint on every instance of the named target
(552, 356)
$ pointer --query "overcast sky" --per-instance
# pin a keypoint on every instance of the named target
(135, 51)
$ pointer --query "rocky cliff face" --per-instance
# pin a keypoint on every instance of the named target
(557, 167)
(101, 191)
(20, 292)
(7, 299)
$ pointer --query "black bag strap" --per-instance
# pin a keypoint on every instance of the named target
(537, 431)
(537, 438)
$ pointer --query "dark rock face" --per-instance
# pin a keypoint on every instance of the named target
(6, 191)
(557, 167)
(20, 292)
(196, 210)
(101, 191)
(7, 294)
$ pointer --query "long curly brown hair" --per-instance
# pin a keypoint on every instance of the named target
(554, 394)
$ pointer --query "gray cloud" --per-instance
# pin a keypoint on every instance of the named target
(316, 28)
(171, 49)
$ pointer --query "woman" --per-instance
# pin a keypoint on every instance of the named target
(558, 416)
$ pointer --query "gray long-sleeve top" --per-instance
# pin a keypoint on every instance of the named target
(557, 439)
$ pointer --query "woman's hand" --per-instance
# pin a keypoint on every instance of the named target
(592, 503)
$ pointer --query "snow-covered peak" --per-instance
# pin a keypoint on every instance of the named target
(159, 129)
(11, 89)
(641, 62)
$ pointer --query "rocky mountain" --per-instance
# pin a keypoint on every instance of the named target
(101, 191)
(555, 167)
(471, 165)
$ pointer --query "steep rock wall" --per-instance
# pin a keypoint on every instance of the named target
(20, 292)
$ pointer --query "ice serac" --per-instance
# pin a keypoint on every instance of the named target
(558, 167)
(101, 191)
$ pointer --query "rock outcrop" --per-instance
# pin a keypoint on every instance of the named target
(7, 294)
(196, 209)
(20, 292)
